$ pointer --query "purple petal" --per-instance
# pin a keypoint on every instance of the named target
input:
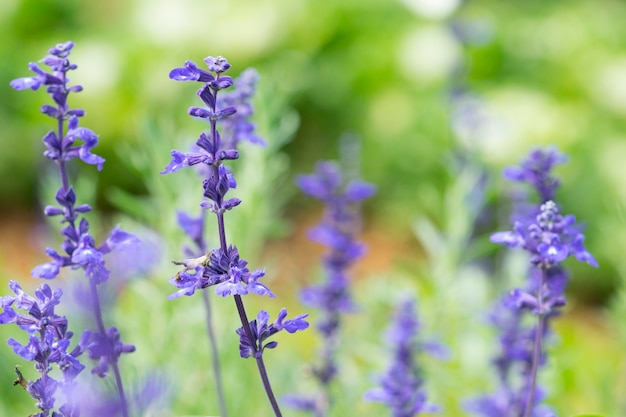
(179, 160)
(359, 190)
(48, 270)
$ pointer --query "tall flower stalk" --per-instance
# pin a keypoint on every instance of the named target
(549, 238)
(79, 247)
(401, 387)
(236, 129)
(338, 231)
(222, 267)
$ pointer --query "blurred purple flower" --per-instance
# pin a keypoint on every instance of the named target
(239, 128)
(536, 170)
(338, 231)
(549, 238)
(401, 387)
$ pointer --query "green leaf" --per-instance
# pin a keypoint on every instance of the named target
(588, 415)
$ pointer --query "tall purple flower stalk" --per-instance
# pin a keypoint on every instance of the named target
(401, 387)
(223, 267)
(48, 343)
(79, 250)
(549, 237)
(235, 129)
(338, 231)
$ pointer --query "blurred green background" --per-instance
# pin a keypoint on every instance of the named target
(442, 93)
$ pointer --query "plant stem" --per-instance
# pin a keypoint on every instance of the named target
(245, 323)
(217, 374)
(93, 286)
(116, 371)
(259, 358)
(536, 347)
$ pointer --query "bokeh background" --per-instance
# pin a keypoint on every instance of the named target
(439, 94)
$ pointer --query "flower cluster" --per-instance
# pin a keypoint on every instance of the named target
(513, 364)
(536, 171)
(222, 267)
(61, 148)
(338, 231)
(549, 238)
(401, 387)
(48, 343)
(227, 271)
(262, 331)
(79, 247)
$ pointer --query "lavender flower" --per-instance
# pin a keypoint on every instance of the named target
(79, 247)
(225, 270)
(338, 231)
(48, 344)
(536, 169)
(238, 128)
(402, 385)
(513, 364)
(222, 267)
(549, 237)
(262, 331)
(235, 129)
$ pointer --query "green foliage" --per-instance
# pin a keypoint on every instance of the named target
(549, 72)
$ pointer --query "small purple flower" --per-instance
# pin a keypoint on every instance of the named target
(191, 72)
(401, 387)
(226, 271)
(536, 171)
(106, 349)
(192, 226)
(261, 331)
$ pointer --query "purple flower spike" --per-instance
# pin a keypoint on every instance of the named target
(338, 231)
(228, 117)
(48, 341)
(549, 238)
(401, 387)
(79, 251)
